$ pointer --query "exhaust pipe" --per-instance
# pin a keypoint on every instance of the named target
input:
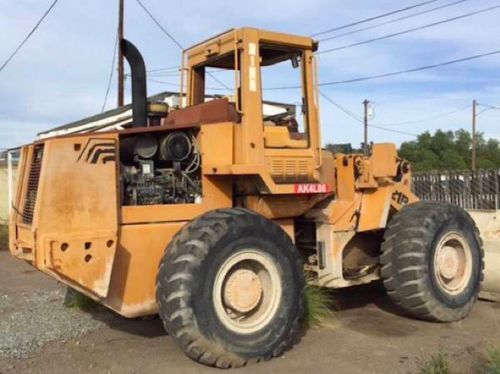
(139, 90)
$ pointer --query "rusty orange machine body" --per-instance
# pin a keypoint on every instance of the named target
(97, 210)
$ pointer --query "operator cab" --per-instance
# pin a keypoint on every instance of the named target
(256, 72)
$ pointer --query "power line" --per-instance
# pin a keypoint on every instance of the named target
(392, 74)
(159, 24)
(173, 73)
(219, 81)
(393, 131)
(343, 109)
(375, 17)
(171, 68)
(360, 120)
(162, 82)
(29, 35)
(177, 85)
(427, 119)
(488, 106)
(413, 15)
(115, 48)
(410, 30)
(175, 40)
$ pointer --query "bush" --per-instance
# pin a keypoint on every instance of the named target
(319, 307)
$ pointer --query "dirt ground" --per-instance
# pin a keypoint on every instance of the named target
(369, 337)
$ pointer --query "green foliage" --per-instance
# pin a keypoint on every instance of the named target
(75, 299)
(437, 364)
(441, 151)
(492, 365)
(4, 237)
(450, 151)
(343, 148)
(319, 307)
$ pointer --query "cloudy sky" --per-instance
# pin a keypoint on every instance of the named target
(61, 74)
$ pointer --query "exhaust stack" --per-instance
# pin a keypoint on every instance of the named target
(139, 90)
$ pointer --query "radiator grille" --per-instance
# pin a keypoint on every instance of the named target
(32, 187)
(290, 170)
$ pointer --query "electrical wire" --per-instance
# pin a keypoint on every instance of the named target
(115, 52)
(177, 84)
(488, 106)
(375, 17)
(176, 42)
(171, 68)
(393, 131)
(396, 73)
(489, 9)
(177, 73)
(413, 15)
(427, 119)
(9, 59)
(159, 24)
(343, 109)
(220, 82)
(162, 82)
(359, 119)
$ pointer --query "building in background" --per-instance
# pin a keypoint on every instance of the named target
(119, 118)
(115, 119)
(8, 178)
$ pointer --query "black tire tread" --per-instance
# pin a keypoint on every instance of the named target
(188, 247)
(403, 260)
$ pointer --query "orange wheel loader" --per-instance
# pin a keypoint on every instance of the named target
(209, 214)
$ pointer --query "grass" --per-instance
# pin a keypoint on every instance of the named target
(4, 237)
(75, 299)
(492, 365)
(437, 364)
(319, 307)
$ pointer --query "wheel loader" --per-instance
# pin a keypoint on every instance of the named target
(212, 214)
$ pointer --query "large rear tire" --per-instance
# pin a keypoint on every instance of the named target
(432, 261)
(230, 289)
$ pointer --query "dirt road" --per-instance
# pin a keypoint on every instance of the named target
(369, 337)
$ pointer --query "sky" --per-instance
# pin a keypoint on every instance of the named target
(61, 74)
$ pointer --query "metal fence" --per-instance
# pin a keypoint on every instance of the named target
(470, 190)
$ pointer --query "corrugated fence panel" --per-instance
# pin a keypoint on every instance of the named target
(470, 190)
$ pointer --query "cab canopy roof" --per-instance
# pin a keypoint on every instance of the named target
(274, 47)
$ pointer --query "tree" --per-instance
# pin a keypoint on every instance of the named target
(346, 148)
(443, 150)
(450, 151)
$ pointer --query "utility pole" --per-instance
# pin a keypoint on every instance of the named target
(366, 104)
(474, 138)
(121, 73)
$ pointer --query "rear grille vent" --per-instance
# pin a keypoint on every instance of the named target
(32, 187)
(290, 170)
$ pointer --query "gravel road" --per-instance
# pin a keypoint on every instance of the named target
(39, 335)
(32, 320)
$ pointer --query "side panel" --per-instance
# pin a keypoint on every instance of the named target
(75, 221)
(20, 237)
(132, 291)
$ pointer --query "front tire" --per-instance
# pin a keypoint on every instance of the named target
(230, 288)
(432, 261)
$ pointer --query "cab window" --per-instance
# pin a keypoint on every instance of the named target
(285, 110)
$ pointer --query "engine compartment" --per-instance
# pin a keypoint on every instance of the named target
(160, 168)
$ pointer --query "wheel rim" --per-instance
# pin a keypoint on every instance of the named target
(247, 291)
(453, 263)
